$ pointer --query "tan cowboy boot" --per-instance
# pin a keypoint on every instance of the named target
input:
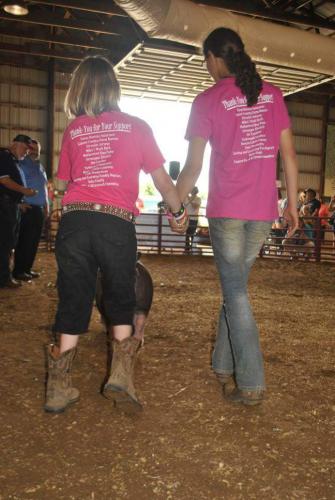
(59, 393)
(120, 386)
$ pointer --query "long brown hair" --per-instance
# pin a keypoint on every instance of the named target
(93, 88)
(227, 44)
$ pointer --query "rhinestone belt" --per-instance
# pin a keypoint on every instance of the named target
(99, 207)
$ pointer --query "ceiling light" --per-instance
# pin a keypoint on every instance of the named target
(16, 8)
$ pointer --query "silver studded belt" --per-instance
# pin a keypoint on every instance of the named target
(99, 207)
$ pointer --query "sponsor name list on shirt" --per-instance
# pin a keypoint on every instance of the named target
(97, 143)
(253, 142)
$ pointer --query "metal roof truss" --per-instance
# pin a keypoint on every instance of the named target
(150, 70)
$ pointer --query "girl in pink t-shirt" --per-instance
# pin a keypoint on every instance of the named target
(246, 122)
(102, 153)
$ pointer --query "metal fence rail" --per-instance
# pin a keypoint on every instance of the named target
(155, 237)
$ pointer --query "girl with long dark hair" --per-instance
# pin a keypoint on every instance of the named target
(246, 121)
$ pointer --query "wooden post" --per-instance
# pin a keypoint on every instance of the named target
(325, 119)
(50, 118)
(160, 231)
(317, 240)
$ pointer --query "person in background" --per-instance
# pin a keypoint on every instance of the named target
(12, 189)
(323, 215)
(139, 204)
(301, 199)
(102, 153)
(245, 120)
(281, 223)
(331, 208)
(161, 207)
(310, 208)
(192, 204)
(298, 244)
(51, 195)
(33, 212)
(312, 202)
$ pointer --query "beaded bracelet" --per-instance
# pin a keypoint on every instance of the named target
(180, 213)
(182, 220)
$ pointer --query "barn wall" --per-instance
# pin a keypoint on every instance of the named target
(24, 108)
(309, 117)
(332, 114)
(23, 104)
(60, 119)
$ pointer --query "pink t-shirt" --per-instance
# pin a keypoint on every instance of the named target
(245, 142)
(102, 156)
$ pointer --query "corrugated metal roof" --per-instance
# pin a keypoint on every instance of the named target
(66, 31)
(153, 71)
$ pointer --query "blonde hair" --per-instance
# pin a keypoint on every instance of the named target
(93, 88)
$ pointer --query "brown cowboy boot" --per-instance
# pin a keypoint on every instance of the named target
(224, 380)
(248, 398)
(120, 387)
(59, 393)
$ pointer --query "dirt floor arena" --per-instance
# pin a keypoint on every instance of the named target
(189, 443)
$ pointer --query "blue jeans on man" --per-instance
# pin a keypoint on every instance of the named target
(236, 244)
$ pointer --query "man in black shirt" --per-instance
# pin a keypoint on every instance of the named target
(12, 190)
(310, 207)
(312, 203)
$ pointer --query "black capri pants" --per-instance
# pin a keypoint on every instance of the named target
(88, 241)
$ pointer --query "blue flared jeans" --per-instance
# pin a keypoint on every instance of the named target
(236, 244)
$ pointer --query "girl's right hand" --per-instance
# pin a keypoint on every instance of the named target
(292, 218)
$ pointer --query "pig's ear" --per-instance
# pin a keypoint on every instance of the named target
(139, 255)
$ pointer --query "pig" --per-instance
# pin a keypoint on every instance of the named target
(144, 293)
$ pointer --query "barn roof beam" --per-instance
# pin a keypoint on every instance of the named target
(59, 22)
(296, 5)
(242, 7)
(35, 62)
(97, 6)
(321, 3)
(64, 40)
(305, 3)
(59, 39)
(21, 49)
(327, 89)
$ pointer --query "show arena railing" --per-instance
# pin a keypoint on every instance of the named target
(314, 242)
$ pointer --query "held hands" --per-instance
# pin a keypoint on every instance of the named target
(179, 221)
(179, 227)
